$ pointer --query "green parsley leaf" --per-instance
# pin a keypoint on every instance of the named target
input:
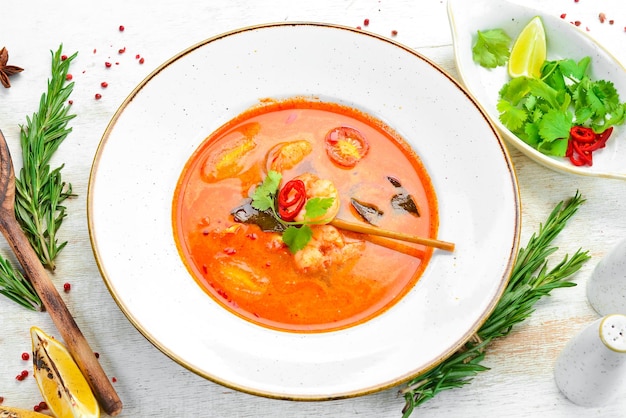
(491, 49)
(554, 125)
(297, 238)
(318, 206)
(574, 70)
(511, 116)
(263, 197)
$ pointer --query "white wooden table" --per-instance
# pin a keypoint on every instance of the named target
(520, 382)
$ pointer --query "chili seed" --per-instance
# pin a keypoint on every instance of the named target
(25, 356)
(70, 102)
(96, 354)
(577, 23)
(602, 17)
(141, 60)
(121, 51)
(66, 286)
(113, 379)
(107, 64)
(366, 22)
(394, 32)
(69, 77)
(563, 15)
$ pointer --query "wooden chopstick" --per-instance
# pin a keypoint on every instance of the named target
(372, 230)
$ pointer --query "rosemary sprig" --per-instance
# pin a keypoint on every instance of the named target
(40, 191)
(530, 281)
(14, 286)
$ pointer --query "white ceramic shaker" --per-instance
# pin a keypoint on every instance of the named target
(606, 288)
(591, 369)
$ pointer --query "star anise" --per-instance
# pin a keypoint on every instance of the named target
(7, 70)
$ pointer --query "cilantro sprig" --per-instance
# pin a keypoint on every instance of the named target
(491, 48)
(542, 111)
(297, 234)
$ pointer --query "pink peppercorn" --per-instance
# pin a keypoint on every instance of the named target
(69, 77)
(98, 96)
(107, 64)
(366, 22)
(122, 28)
(104, 84)
(66, 286)
(25, 356)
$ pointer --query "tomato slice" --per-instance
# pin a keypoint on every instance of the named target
(346, 146)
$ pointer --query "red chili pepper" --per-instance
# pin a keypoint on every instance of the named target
(582, 142)
(582, 134)
(291, 199)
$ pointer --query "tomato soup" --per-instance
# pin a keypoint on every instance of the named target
(336, 278)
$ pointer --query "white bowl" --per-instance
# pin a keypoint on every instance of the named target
(170, 113)
(564, 40)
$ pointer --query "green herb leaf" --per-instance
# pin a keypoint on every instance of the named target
(317, 206)
(264, 195)
(40, 190)
(491, 48)
(14, 286)
(530, 281)
(297, 238)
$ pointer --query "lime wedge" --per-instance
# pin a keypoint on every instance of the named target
(529, 50)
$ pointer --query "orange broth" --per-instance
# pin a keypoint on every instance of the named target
(250, 272)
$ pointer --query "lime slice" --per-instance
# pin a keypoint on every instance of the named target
(8, 412)
(63, 386)
(529, 50)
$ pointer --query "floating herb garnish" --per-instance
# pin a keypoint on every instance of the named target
(530, 281)
(296, 234)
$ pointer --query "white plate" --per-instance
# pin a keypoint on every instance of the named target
(170, 113)
(564, 40)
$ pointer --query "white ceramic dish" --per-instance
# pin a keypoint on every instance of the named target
(564, 40)
(170, 113)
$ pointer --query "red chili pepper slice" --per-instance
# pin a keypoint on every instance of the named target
(582, 142)
(291, 199)
(346, 146)
(582, 134)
